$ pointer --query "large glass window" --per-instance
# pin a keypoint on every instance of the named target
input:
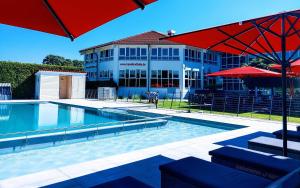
(106, 55)
(133, 54)
(192, 79)
(90, 60)
(106, 74)
(133, 78)
(168, 54)
(210, 57)
(231, 61)
(192, 55)
(164, 78)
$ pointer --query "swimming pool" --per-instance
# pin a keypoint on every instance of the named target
(19, 119)
(47, 157)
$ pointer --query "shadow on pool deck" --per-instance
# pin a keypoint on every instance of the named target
(146, 170)
(242, 141)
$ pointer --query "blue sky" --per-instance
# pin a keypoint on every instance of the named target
(17, 44)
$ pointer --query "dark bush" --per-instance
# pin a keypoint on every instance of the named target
(22, 76)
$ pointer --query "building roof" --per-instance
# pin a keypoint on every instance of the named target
(60, 73)
(147, 38)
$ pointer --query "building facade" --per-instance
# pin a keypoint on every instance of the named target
(144, 63)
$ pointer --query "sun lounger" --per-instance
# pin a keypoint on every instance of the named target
(292, 180)
(274, 146)
(291, 135)
(257, 163)
(126, 182)
(192, 172)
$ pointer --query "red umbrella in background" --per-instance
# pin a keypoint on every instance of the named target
(293, 69)
(246, 72)
(68, 18)
(261, 37)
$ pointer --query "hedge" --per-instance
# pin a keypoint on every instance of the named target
(22, 76)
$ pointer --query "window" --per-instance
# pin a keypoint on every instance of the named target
(107, 55)
(210, 57)
(133, 54)
(164, 78)
(193, 55)
(230, 84)
(231, 61)
(106, 74)
(169, 54)
(133, 78)
(192, 79)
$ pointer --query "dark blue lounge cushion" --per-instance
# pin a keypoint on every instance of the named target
(292, 180)
(291, 135)
(126, 182)
(200, 173)
(256, 160)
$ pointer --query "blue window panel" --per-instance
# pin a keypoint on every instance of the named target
(122, 51)
(154, 51)
(143, 51)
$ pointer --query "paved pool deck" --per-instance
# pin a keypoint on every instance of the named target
(197, 147)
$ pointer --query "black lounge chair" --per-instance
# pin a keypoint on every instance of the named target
(298, 128)
(274, 146)
(126, 182)
(192, 172)
(291, 135)
(257, 163)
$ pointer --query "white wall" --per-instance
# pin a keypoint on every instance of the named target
(78, 87)
(49, 87)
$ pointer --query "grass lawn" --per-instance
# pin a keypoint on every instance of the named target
(183, 105)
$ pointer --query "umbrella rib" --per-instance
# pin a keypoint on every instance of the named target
(269, 30)
(256, 41)
(292, 27)
(60, 22)
(140, 3)
(268, 42)
(294, 53)
(241, 50)
(296, 32)
(242, 32)
(246, 45)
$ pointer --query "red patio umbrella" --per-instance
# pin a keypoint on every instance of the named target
(246, 72)
(261, 37)
(294, 67)
(68, 18)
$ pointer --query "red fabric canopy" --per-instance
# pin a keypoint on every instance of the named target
(246, 72)
(247, 37)
(294, 68)
(75, 17)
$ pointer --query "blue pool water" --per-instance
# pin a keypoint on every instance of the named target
(16, 118)
(31, 159)
(35, 160)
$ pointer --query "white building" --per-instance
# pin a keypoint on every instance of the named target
(59, 85)
(145, 63)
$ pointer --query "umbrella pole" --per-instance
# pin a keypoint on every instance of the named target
(284, 85)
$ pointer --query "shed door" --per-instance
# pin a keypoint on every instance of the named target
(78, 87)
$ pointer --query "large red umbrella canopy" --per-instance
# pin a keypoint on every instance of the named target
(246, 72)
(261, 37)
(69, 18)
(294, 67)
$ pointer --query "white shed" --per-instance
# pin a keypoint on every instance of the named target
(59, 85)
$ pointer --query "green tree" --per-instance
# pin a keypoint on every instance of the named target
(61, 61)
(259, 63)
